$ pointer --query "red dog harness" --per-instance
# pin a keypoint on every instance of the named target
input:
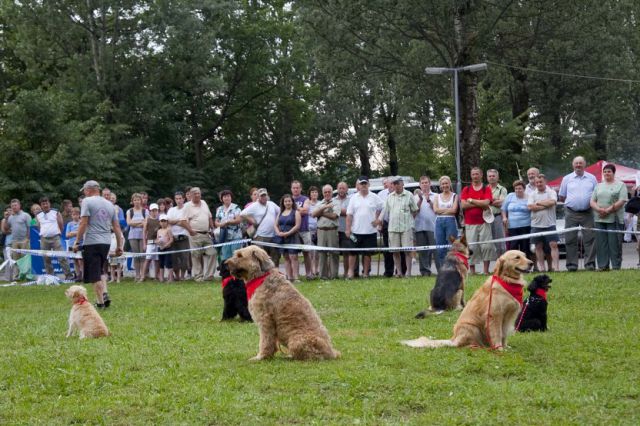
(464, 259)
(253, 285)
(515, 290)
(225, 281)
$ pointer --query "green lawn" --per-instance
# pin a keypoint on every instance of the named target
(170, 360)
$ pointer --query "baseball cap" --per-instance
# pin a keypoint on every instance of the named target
(153, 206)
(262, 191)
(90, 184)
(163, 217)
(363, 179)
(397, 179)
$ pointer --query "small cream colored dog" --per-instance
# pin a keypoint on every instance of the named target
(83, 316)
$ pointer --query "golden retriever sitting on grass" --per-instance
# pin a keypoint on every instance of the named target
(283, 315)
(83, 316)
(488, 318)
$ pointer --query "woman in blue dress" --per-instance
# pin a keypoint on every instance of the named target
(287, 226)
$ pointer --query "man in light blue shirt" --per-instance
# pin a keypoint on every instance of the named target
(575, 190)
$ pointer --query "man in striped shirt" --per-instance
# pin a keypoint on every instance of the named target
(402, 209)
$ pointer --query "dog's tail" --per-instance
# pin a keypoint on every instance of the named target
(424, 342)
(425, 313)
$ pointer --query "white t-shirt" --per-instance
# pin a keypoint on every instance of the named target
(175, 213)
(547, 217)
(363, 211)
(265, 215)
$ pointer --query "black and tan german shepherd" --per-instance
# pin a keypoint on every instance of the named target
(448, 293)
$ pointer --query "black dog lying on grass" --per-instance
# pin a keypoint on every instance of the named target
(234, 294)
(534, 313)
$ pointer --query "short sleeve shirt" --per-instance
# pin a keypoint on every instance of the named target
(473, 216)
(363, 211)
(544, 218)
(578, 190)
(607, 195)
(19, 224)
(518, 213)
(101, 214)
(197, 216)
(400, 208)
(265, 215)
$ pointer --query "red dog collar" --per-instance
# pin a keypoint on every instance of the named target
(515, 290)
(542, 293)
(253, 285)
(81, 301)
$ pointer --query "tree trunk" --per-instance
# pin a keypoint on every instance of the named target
(470, 143)
(600, 143)
(389, 119)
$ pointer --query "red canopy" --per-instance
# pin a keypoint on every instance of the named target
(623, 173)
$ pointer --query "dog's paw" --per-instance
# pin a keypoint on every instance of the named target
(256, 358)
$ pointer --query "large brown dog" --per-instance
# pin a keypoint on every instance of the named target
(488, 319)
(283, 315)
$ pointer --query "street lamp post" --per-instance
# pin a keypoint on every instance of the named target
(438, 70)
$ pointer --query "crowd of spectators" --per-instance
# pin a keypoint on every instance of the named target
(186, 226)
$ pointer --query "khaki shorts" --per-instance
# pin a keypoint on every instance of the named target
(401, 239)
(481, 252)
(306, 238)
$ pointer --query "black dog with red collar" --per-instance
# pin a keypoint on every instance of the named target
(234, 294)
(534, 312)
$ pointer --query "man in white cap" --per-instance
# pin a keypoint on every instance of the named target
(262, 215)
(97, 218)
(401, 208)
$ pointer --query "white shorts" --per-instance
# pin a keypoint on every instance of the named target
(152, 248)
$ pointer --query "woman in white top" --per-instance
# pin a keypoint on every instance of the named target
(312, 202)
(446, 207)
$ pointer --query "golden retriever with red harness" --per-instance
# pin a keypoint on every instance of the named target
(489, 317)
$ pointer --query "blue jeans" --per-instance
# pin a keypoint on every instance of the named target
(445, 227)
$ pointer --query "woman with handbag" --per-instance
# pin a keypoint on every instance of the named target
(607, 202)
(287, 226)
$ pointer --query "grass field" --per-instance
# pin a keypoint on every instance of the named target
(170, 360)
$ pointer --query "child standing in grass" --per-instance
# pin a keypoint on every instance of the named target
(164, 240)
(115, 263)
(71, 232)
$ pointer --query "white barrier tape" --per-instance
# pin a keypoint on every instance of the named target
(72, 255)
(303, 247)
(525, 236)
(612, 231)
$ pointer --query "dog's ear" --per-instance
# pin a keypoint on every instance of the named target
(263, 258)
(463, 240)
(499, 266)
(452, 238)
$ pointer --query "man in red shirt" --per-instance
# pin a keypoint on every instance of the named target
(474, 199)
